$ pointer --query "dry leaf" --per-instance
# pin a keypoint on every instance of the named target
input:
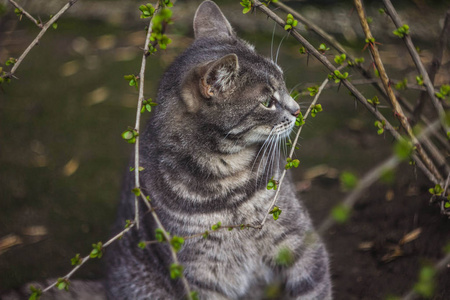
(389, 195)
(35, 230)
(411, 236)
(365, 246)
(71, 167)
(9, 241)
(393, 254)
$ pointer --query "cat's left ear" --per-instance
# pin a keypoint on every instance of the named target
(219, 76)
(210, 22)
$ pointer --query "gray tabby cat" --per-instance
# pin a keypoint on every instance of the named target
(207, 154)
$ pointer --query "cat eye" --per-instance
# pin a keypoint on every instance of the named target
(269, 102)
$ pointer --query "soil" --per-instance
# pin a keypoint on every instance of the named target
(369, 274)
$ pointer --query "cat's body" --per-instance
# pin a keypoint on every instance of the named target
(203, 164)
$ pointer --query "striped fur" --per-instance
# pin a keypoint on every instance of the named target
(208, 152)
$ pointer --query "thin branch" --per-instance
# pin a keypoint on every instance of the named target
(420, 67)
(313, 27)
(24, 12)
(370, 178)
(347, 83)
(438, 267)
(136, 156)
(387, 86)
(369, 79)
(38, 37)
(168, 238)
(435, 62)
(86, 258)
(334, 43)
(138, 113)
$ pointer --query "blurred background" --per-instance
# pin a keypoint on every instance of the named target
(62, 157)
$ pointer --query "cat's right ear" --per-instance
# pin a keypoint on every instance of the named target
(209, 21)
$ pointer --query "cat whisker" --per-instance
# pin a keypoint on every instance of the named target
(292, 89)
(279, 46)
(271, 43)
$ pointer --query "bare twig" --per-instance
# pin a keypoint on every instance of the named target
(436, 61)
(87, 257)
(347, 83)
(438, 267)
(313, 27)
(138, 114)
(334, 43)
(168, 238)
(38, 37)
(420, 67)
(370, 178)
(398, 111)
(24, 12)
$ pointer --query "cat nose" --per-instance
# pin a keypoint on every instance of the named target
(296, 113)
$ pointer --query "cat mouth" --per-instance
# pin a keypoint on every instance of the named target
(283, 129)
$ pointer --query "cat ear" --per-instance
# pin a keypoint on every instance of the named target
(209, 21)
(220, 76)
(208, 80)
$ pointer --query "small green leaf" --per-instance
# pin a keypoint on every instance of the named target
(401, 85)
(63, 284)
(159, 235)
(194, 295)
(176, 271)
(340, 59)
(291, 163)
(216, 226)
(18, 13)
(403, 149)
(272, 184)
(323, 48)
(374, 101)
(302, 50)
(142, 245)
(313, 90)
(285, 257)
(97, 250)
(177, 242)
(75, 261)
(290, 22)
(275, 212)
(419, 80)
(35, 293)
(340, 213)
(402, 31)
(426, 283)
(348, 180)
(315, 110)
(127, 223)
(437, 190)
(380, 125)
(136, 191)
(10, 61)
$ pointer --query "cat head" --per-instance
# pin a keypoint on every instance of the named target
(229, 88)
